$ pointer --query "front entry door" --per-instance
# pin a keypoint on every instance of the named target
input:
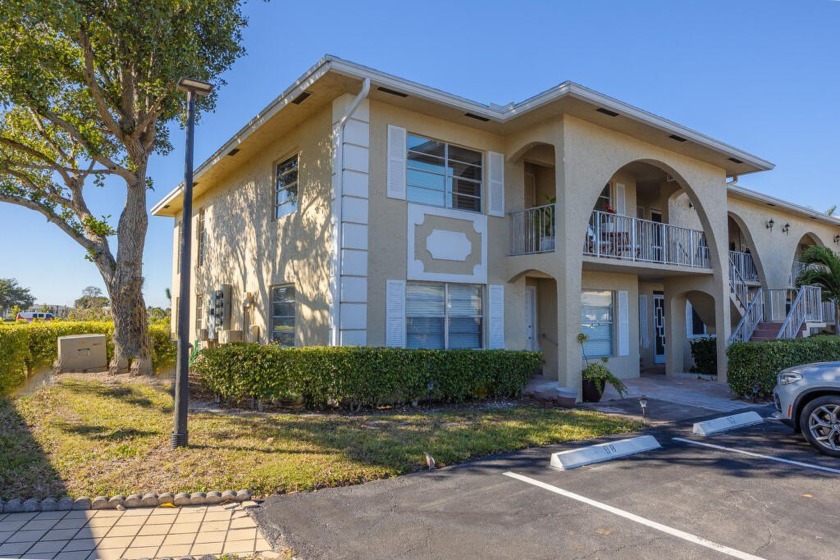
(531, 319)
(659, 328)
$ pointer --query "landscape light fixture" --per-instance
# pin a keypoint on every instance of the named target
(770, 223)
(643, 403)
(786, 228)
(182, 388)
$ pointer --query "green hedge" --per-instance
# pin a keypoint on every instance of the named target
(704, 353)
(759, 362)
(362, 376)
(28, 347)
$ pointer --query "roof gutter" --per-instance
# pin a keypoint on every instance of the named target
(338, 233)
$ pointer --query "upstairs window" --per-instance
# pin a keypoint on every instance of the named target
(286, 187)
(604, 202)
(440, 174)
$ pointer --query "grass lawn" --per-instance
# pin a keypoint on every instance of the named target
(95, 435)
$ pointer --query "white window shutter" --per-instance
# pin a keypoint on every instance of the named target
(620, 200)
(396, 162)
(496, 187)
(395, 313)
(644, 329)
(496, 316)
(623, 323)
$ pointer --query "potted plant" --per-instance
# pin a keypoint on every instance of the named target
(596, 375)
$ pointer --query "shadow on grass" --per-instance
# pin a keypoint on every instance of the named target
(25, 469)
(122, 392)
(103, 433)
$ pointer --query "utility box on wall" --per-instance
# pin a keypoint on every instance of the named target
(82, 352)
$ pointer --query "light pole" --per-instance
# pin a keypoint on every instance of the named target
(182, 387)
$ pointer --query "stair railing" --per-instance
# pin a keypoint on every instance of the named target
(807, 307)
(748, 323)
(738, 286)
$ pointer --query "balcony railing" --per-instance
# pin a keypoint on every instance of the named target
(744, 264)
(633, 239)
(532, 230)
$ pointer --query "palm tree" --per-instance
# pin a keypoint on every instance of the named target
(823, 269)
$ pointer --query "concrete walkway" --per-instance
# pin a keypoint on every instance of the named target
(133, 533)
(672, 398)
(685, 389)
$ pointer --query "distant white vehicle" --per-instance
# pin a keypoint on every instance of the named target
(30, 316)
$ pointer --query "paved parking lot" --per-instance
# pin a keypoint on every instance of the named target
(761, 493)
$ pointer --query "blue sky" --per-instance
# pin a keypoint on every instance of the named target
(762, 75)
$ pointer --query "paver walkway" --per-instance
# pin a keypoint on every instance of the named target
(685, 389)
(132, 533)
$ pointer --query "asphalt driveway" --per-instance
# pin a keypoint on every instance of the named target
(739, 499)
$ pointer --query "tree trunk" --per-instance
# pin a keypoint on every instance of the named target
(128, 308)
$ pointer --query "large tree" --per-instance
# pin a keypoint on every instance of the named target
(92, 298)
(12, 294)
(87, 88)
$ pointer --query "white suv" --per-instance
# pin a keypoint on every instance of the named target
(808, 398)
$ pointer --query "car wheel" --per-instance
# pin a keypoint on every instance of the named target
(820, 423)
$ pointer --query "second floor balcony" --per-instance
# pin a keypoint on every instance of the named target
(612, 236)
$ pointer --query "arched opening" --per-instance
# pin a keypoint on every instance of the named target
(648, 237)
(646, 213)
(533, 219)
(807, 241)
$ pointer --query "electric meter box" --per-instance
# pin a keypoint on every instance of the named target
(82, 352)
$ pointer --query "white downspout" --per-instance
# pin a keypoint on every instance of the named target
(337, 211)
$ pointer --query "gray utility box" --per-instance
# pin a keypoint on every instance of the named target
(82, 352)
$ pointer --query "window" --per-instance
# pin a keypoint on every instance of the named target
(604, 202)
(440, 174)
(283, 315)
(201, 235)
(694, 324)
(442, 316)
(596, 321)
(286, 187)
(199, 312)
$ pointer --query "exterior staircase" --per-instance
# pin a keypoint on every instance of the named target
(774, 314)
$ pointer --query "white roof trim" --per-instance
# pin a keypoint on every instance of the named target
(502, 115)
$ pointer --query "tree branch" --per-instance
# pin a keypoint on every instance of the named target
(50, 164)
(51, 216)
(96, 92)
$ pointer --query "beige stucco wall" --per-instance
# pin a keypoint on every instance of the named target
(773, 250)
(251, 251)
(389, 217)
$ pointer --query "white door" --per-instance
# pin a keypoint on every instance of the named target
(533, 342)
(659, 328)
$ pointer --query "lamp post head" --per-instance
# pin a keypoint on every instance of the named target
(194, 86)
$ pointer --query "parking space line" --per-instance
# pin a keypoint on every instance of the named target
(759, 455)
(638, 519)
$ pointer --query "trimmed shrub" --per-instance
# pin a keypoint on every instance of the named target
(704, 352)
(759, 362)
(13, 352)
(362, 376)
(27, 347)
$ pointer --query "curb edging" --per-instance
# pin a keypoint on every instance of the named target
(17, 505)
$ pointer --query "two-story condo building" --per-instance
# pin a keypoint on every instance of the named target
(363, 209)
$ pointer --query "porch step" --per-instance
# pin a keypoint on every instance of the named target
(766, 331)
